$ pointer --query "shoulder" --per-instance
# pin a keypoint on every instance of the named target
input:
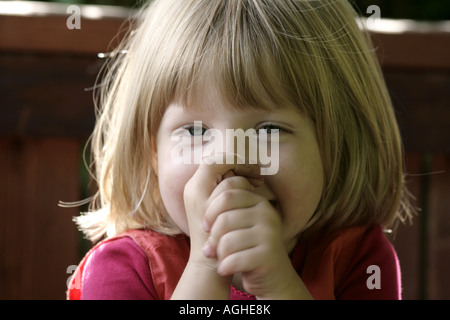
(360, 240)
(339, 246)
(367, 244)
(116, 247)
(353, 263)
(117, 269)
(367, 265)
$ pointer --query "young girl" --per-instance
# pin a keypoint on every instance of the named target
(298, 69)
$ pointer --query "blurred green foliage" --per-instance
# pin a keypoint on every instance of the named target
(397, 9)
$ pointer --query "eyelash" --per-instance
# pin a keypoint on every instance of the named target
(272, 127)
(191, 129)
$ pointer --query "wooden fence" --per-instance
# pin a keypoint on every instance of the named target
(46, 116)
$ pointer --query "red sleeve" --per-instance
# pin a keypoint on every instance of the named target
(117, 270)
(373, 271)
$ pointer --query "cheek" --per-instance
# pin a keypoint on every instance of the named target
(172, 178)
(299, 186)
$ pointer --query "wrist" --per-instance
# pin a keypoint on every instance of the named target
(200, 280)
(282, 283)
(207, 266)
(199, 260)
(292, 288)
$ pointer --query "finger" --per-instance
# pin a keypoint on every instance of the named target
(231, 183)
(235, 241)
(254, 182)
(212, 170)
(225, 223)
(228, 174)
(227, 199)
(240, 262)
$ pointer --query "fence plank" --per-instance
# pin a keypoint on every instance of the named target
(439, 228)
(18, 33)
(406, 237)
(38, 240)
(421, 100)
(44, 95)
(414, 50)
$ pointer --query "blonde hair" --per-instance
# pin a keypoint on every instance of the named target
(257, 53)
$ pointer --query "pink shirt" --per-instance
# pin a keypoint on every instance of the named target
(118, 270)
(332, 268)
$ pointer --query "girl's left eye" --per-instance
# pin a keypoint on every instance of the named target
(271, 129)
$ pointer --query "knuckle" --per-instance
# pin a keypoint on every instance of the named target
(222, 221)
(224, 246)
(242, 182)
(236, 182)
(228, 183)
(227, 196)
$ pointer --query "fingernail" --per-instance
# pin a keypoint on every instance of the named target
(207, 251)
(206, 227)
(219, 269)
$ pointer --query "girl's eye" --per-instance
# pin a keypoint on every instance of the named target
(196, 131)
(271, 129)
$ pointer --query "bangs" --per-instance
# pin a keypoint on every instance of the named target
(237, 60)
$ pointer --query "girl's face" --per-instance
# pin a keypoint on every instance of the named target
(297, 185)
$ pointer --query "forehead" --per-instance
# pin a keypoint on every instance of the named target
(212, 94)
(210, 103)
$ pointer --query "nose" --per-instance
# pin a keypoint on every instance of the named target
(239, 145)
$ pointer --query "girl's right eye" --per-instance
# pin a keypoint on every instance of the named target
(196, 131)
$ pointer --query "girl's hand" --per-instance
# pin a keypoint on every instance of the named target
(200, 279)
(197, 198)
(246, 237)
(233, 230)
